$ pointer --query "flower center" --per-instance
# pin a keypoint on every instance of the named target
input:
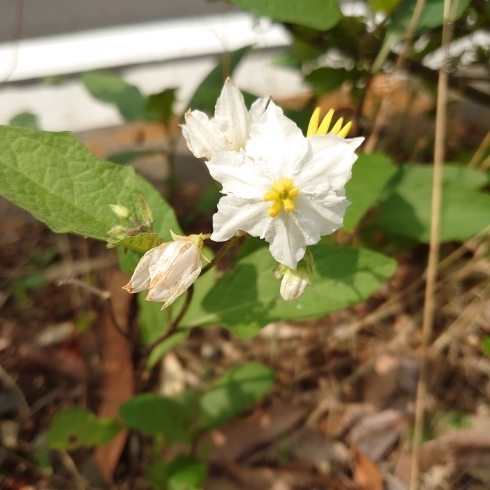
(282, 195)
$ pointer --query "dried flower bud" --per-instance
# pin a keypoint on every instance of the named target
(168, 270)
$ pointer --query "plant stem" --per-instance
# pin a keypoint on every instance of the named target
(175, 323)
(430, 287)
(221, 253)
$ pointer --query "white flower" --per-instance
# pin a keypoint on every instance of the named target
(284, 187)
(230, 127)
(168, 270)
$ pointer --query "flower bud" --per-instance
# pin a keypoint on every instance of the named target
(295, 281)
(168, 270)
(120, 211)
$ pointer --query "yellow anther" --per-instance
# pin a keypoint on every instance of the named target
(345, 130)
(288, 205)
(287, 182)
(314, 121)
(271, 196)
(278, 186)
(274, 210)
(294, 192)
(323, 129)
(338, 126)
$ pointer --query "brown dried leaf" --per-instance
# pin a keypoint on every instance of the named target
(366, 473)
(240, 437)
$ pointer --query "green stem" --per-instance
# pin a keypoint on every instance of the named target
(221, 253)
(175, 324)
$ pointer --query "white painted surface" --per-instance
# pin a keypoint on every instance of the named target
(144, 43)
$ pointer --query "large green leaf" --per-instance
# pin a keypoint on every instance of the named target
(74, 427)
(238, 389)
(248, 298)
(208, 92)
(407, 210)
(317, 14)
(112, 89)
(157, 415)
(55, 177)
(369, 177)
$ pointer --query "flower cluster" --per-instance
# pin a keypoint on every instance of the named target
(277, 184)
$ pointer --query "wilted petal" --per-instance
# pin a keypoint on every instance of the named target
(140, 279)
(174, 273)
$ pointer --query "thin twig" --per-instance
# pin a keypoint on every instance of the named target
(430, 289)
(480, 152)
(175, 323)
(105, 295)
(10, 384)
(221, 253)
(71, 467)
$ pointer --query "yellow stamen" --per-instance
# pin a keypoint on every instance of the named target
(323, 129)
(274, 210)
(288, 205)
(314, 121)
(338, 126)
(287, 182)
(271, 196)
(294, 192)
(345, 130)
(278, 186)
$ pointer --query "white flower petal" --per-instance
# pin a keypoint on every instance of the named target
(201, 135)
(328, 168)
(287, 243)
(238, 174)
(235, 213)
(231, 116)
(258, 108)
(276, 143)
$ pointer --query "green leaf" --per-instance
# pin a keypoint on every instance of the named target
(164, 217)
(208, 92)
(246, 299)
(208, 201)
(385, 6)
(160, 106)
(156, 475)
(370, 175)
(141, 242)
(74, 427)
(129, 156)
(186, 473)
(317, 14)
(25, 120)
(154, 414)
(237, 390)
(112, 89)
(325, 79)
(55, 177)
(485, 345)
(407, 210)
